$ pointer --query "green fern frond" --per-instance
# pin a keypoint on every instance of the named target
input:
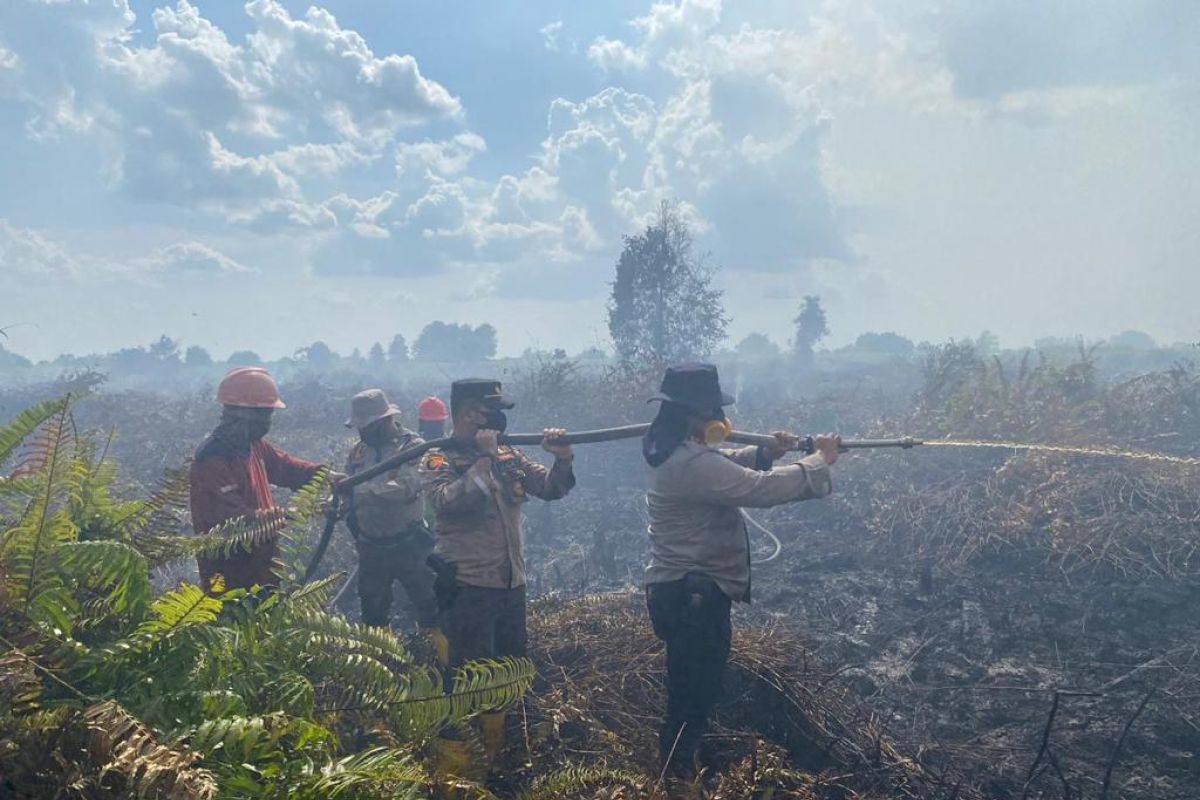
(244, 534)
(293, 694)
(49, 448)
(115, 567)
(306, 502)
(181, 608)
(574, 781)
(130, 749)
(238, 739)
(356, 679)
(16, 431)
(158, 514)
(483, 686)
(221, 703)
(163, 548)
(36, 588)
(316, 594)
(379, 772)
(318, 630)
(242, 740)
(20, 686)
(26, 549)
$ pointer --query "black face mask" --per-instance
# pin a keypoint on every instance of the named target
(378, 433)
(496, 420)
(257, 429)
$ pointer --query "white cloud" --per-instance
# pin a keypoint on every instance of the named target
(192, 257)
(615, 55)
(551, 33)
(445, 158)
(321, 70)
(167, 115)
(28, 254)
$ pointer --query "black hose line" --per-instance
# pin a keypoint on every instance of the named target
(806, 445)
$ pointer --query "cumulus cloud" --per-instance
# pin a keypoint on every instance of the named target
(167, 114)
(28, 254)
(444, 158)
(192, 257)
(615, 55)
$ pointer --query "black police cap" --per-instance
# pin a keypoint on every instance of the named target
(483, 389)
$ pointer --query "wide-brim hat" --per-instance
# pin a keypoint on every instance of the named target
(488, 391)
(370, 406)
(696, 386)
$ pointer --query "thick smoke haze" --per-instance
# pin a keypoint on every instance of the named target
(264, 175)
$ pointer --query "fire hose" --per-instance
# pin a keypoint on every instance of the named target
(805, 444)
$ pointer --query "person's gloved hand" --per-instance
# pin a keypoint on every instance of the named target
(784, 443)
(829, 445)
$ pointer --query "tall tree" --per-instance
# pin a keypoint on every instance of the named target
(318, 355)
(398, 349)
(244, 358)
(197, 356)
(663, 307)
(449, 341)
(376, 357)
(165, 350)
(756, 347)
(811, 327)
(483, 341)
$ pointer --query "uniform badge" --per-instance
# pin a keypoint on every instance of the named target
(435, 461)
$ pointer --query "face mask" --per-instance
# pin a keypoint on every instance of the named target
(717, 431)
(257, 428)
(495, 420)
(378, 433)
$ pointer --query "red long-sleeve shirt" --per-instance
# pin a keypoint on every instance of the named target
(225, 485)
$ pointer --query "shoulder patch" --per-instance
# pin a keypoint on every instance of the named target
(435, 460)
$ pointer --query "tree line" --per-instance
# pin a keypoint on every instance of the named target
(662, 308)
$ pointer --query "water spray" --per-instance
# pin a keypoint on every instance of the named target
(806, 444)
(1063, 449)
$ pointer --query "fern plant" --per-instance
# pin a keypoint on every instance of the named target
(187, 694)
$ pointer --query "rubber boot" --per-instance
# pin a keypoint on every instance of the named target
(492, 727)
(441, 646)
(451, 761)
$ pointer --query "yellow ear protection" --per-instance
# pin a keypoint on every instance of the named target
(717, 430)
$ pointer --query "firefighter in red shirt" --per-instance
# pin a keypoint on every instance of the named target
(233, 472)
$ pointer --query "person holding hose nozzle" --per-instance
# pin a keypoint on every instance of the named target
(476, 488)
(386, 518)
(700, 550)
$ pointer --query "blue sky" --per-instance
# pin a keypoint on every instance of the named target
(264, 175)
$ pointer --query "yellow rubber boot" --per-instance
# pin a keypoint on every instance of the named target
(492, 727)
(451, 761)
(441, 646)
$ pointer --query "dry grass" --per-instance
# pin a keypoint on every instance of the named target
(779, 732)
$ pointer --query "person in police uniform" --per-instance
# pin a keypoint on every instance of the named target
(476, 488)
(699, 548)
(385, 517)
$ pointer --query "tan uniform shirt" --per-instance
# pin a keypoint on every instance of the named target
(479, 513)
(392, 502)
(694, 501)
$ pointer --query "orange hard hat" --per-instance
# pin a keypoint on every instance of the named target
(432, 409)
(249, 387)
